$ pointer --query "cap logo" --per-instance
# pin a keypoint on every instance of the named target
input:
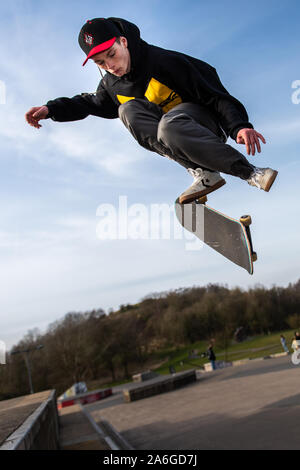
(88, 39)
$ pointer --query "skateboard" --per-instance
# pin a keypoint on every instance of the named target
(229, 237)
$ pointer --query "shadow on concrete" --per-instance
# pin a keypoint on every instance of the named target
(290, 401)
(275, 427)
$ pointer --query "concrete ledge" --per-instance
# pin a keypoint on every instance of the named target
(147, 375)
(115, 436)
(218, 365)
(280, 354)
(39, 431)
(208, 368)
(79, 430)
(159, 385)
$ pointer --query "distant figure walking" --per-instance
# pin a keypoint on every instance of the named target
(211, 356)
(284, 345)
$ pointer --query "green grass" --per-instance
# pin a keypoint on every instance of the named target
(270, 344)
(179, 358)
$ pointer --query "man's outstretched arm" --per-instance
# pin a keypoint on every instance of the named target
(74, 109)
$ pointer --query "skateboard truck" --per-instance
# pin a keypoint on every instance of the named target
(247, 221)
(202, 199)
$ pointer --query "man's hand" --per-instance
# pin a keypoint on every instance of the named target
(35, 114)
(250, 138)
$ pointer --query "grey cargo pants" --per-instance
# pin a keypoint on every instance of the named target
(180, 135)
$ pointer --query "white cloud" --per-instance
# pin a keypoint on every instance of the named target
(98, 144)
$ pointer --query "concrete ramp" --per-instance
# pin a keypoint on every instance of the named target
(29, 422)
(77, 432)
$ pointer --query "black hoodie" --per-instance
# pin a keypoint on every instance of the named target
(161, 76)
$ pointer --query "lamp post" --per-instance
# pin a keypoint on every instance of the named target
(27, 362)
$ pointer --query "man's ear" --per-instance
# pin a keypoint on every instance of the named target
(124, 41)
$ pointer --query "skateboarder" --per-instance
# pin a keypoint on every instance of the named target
(173, 104)
(211, 356)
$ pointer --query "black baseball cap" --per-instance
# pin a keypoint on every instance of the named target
(97, 35)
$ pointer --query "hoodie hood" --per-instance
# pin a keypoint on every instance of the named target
(135, 44)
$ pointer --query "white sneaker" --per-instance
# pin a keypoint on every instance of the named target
(262, 178)
(204, 182)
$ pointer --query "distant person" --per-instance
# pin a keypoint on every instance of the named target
(211, 356)
(283, 342)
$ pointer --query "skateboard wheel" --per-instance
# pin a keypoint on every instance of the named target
(202, 200)
(246, 220)
(254, 256)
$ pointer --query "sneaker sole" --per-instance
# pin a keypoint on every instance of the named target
(271, 181)
(191, 197)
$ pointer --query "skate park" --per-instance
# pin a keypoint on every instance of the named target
(105, 278)
(252, 405)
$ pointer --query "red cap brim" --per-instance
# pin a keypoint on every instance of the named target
(100, 48)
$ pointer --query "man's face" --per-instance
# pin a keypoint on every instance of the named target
(116, 59)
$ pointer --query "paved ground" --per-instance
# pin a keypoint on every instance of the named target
(254, 406)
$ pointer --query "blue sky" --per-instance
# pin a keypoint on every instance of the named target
(53, 180)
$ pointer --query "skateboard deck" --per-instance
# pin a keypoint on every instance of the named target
(229, 237)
